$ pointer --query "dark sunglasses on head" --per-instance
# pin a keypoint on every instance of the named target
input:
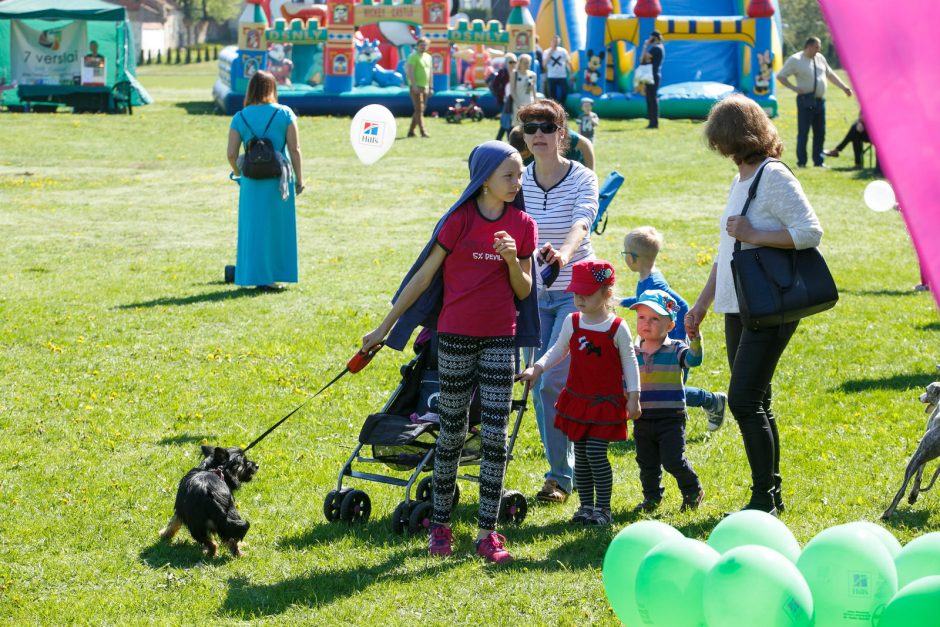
(530, 128)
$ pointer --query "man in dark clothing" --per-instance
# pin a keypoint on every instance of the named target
(654, 53)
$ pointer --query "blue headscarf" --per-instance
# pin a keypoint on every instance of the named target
(483, 161)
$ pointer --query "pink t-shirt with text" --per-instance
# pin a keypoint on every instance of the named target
(478, 298)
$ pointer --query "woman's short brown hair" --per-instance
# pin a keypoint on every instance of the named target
(548, 111)
(738, 127)
(262, 89)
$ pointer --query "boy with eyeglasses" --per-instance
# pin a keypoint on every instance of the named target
(641, 246)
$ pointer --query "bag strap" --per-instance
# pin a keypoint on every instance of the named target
(254, 135)
(752, 192)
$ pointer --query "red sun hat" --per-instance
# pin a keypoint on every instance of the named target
(589, 276)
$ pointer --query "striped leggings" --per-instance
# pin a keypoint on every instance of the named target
(594, 477)
(464, 362)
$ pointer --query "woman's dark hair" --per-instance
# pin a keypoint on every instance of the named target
(262, 89)
(738, 127)
(548, 111)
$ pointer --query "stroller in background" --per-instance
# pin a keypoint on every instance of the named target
(403, 445)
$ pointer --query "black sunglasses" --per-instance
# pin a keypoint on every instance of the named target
(530, 128)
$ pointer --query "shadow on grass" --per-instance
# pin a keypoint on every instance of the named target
(181, 552)
(619, 449)
(898, 292)
(907, 518)
(897, 382)
(183, 438)
(199, 107)
(930, 326)
(208, 297)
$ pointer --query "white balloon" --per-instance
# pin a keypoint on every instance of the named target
(879, 196)
(372, 133)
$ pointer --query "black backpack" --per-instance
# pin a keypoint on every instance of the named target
(260, 160)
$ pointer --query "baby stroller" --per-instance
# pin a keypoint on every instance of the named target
(403, 443)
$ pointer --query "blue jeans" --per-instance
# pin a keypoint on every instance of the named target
(554, 307)
(810, 114)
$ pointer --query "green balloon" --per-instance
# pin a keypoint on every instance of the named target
(887, 538)
(915, 605)
(751, 526)
(622, 560)
(851, 575)
(920, 558)
(669, 583)
(756, 585)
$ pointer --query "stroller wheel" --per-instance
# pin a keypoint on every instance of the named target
(356, 507)
(420, 519)
(425, 491)
(513, 507)
(332, 502)
(400, 517)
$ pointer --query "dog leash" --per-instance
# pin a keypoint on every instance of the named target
(359, 361)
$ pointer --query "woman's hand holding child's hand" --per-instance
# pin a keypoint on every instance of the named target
(505, 245)
(693, 333)
(633, 405)
(530, 375)
(693, 319)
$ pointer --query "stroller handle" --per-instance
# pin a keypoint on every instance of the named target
(360, 360)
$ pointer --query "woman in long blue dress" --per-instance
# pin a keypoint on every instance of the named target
(267, 224)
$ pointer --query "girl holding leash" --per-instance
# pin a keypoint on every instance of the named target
(593, 407)
(478, 260)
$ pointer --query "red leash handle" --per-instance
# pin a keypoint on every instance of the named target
(360, 360)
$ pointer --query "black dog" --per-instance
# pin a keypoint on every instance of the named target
(204, 500)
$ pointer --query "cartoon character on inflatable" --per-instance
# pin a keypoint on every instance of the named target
(279, 63)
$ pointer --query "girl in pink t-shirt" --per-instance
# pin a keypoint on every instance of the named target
(484, 244)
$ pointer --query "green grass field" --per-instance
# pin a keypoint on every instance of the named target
(121, 351)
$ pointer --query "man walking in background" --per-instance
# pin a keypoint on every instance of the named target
(810, 69)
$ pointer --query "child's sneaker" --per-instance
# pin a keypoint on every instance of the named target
(583, 515)
(492, 549)
(601, 517)
(716, 415)
(440, 541)
(692, 501)
(646, 506)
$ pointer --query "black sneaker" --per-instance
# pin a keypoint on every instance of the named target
(647, 506)
(692, 501)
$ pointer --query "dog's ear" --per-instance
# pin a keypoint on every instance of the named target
(207, 450)
(219, 455)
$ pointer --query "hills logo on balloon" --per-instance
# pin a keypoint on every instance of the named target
(371, 133)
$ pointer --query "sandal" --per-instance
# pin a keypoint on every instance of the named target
(600, 518)
(583, 515)
(551, 493)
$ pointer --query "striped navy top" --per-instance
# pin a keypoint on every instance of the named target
(573, 199)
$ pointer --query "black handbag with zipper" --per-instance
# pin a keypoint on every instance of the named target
(778, 285)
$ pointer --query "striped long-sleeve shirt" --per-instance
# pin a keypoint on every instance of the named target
(555, 210)
(662, 393)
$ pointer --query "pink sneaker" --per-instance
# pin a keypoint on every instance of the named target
(492, 549)
(440, 541)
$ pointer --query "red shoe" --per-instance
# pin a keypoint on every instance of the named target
(492, 549)
(440, 541)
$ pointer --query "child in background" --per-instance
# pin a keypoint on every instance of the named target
(592, 408)
(641, 246)
(660, 432)
(588, 120)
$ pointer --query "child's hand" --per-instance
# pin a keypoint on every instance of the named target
(505, 245)
(530, 375)
(693, 333)
(633, 405)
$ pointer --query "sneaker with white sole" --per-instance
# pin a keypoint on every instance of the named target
(492, 548)
(440, 543)
(716, 415)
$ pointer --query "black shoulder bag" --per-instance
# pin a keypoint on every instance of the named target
(777, 285)
(260, 160)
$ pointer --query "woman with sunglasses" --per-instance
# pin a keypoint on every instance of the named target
(561, 195)
(522, 86)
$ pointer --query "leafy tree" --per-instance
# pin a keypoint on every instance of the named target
(198, 13)
(803, 19)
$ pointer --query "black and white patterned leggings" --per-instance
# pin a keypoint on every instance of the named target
(594, 477)
(464, 362)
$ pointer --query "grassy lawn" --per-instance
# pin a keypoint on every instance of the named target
(121, 351)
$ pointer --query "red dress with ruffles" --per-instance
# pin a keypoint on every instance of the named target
(593, 403)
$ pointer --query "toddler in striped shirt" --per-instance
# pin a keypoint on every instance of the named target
(659, 433)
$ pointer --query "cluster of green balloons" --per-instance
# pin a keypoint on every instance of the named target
(752, 572)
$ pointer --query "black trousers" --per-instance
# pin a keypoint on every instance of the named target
(753, 357)
(660, 443)
(652, 104)
(858, 139)
(810, 114)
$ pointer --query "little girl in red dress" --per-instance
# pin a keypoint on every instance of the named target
(603, 387)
